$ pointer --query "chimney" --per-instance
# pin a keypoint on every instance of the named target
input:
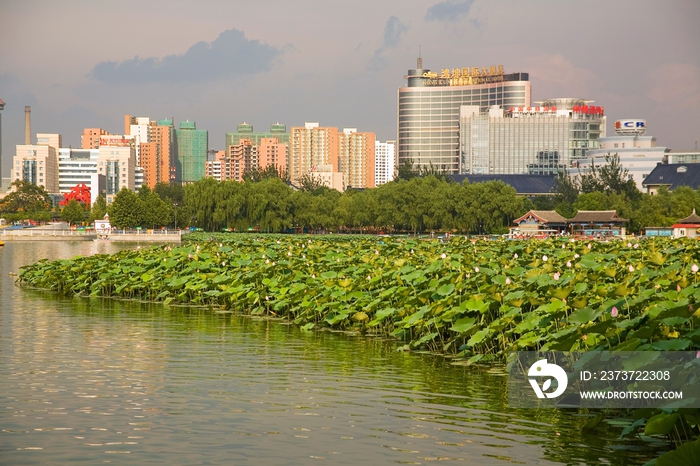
(27, 126)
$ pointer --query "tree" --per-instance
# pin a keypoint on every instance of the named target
(73, 212)
(175, 192)
(156, 212)
(26, 198)
(310, 183)
(258, 174)
(125, 211)
(406, 170)
(99, 209)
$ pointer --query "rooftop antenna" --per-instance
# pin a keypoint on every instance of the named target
(419, 62)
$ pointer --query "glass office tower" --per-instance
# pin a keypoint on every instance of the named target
(428, 109)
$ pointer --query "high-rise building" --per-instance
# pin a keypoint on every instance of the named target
(192, 147)
(428, 109)
(117, 162)
(243, 158)
(356, 158)
(91, 138)
(245, 131)
(154, 144)
(53, 140)
(311, 146)
(541, 140)
(78, 166)
(384, 161)
(215, 166)
(273, 152)
(37, 164)
(2, 107)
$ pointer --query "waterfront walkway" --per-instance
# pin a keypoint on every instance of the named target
(58, 232)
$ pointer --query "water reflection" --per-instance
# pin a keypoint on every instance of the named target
(96, 380)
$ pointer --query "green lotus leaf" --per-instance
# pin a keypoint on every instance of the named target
(661, 424)
(585, 315)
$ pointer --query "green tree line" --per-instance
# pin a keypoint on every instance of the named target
(418, 201)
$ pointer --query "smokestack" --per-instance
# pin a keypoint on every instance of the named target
(27, 125)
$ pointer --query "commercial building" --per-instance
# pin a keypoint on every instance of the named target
(77, 166)
(192, 147)
(384, 161)
(638, 153)
(429, 109)
(541, 140)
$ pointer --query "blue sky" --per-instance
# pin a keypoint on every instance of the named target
(86, 63)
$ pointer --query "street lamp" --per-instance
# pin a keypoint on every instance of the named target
(175, 205)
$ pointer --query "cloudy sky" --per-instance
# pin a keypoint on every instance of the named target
(87, 63)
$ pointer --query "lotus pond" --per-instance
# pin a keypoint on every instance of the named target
(474, 301)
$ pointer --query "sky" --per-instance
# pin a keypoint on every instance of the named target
(87, 63)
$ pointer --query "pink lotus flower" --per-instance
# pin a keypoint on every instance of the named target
(629, 245)
(584, 338)
(476, 269)
(589, 245)
(376, 252)
(507, 280)
(545, 258)
(568, 263)
(613, 312)
(678, 288)
(694, 268)
(636, 245)
(576, 256)
(443, 255)
(515, 255)
(556, 275)
(630, 268)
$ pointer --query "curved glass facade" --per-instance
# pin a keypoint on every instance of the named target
(428, 116)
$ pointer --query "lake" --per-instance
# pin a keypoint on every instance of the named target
(86, 381)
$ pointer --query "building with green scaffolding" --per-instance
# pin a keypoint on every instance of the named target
(192, 146)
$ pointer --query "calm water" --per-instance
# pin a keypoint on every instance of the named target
(94, 381)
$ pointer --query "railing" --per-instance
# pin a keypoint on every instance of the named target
(115, 231)
(45, 232)
(90, 232)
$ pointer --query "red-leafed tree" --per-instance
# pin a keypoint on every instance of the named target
(79, 193)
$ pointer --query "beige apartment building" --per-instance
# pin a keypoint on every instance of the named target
(37, 164)
(356, 158)
(311, 146)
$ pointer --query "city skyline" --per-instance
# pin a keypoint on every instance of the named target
(87, 64)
